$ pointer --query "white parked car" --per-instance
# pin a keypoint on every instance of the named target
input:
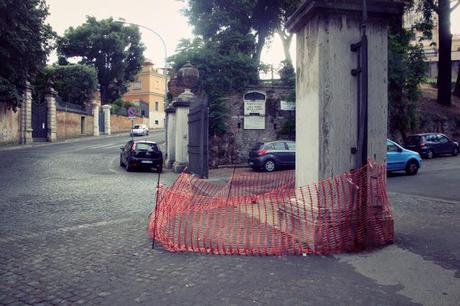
(140, 130)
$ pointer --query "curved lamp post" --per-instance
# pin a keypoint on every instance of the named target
(122, 20)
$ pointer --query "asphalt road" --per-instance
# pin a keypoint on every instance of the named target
(73, 231)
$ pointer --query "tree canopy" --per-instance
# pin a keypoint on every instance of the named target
(257, 19)
(75, 84)
(25, 42)
(114, 48)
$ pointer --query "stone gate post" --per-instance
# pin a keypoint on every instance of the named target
(188, 77)
(50, 98)
(171, 136)
(106, 109)
(26, 115)
(327, 93)
(95, 107)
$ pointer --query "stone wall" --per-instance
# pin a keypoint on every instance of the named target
(234, 145)
(121, 124)
(9, 125)
(69, 124)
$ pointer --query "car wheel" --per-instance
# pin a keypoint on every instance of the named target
(128, 167)
(430, 154)
(121, 162)
(269, 165)
(455, 151)
(412, 167)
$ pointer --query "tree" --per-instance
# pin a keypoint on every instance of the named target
(442, 8)
(457, 84)
(224, 68)
(113, 48)
(74, 83)
(257, 19)
(25, 42)
(406, 71)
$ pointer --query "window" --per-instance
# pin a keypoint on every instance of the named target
(391, 147)
(156, 122)
(156, 106)
(136, 85)
(279, 146)
(442, 139)
(291, 146)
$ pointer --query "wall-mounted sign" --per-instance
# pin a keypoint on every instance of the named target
(254, 123)
(254, 110)
(287, 105)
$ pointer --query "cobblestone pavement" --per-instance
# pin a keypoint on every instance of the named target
(73, 231)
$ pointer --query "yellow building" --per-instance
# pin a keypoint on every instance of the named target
(149, 87)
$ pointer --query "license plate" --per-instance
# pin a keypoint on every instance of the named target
(146, 162)
(251, 163)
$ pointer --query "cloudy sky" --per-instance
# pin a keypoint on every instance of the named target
(163, 16)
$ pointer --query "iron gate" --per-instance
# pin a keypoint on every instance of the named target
(101, 121)
(198, 125)
(39, 120)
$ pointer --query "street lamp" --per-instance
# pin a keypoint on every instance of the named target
(122, 20)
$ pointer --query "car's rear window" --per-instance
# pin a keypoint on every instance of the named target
(137, 126)
(257, 146)
(142, 146)
(413, 140)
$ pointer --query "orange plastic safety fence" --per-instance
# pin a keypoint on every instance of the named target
(264, 214)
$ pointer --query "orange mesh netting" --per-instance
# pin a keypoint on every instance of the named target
(264, 214)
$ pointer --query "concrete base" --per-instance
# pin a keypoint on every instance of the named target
(179, 167)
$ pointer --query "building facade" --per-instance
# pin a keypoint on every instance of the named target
(149, 87)
(431, 45)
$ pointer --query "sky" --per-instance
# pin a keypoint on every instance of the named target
(162, 16)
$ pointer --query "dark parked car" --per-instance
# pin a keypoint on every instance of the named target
(141, 154)
(272, 155)
(431, 144)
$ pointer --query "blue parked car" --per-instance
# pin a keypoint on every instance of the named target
(400, 159)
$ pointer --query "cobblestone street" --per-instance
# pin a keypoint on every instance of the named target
(73, 231)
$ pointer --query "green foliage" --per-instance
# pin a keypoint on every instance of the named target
(223, 68)
(287, 73)
(406, 71)
(74, 83)
(114, 49)
(120, 107)
(213, 20)
(25, 42)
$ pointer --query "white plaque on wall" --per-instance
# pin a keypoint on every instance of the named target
(254, 107)
(254, 122)
(287, 105)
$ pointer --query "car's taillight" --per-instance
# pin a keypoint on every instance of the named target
(261, 152)
(133, 147)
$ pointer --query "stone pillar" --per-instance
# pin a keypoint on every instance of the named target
(106, 109)
(182, 106)
(170, 136)
(26, 115)
(50, 98)
(327, 93)
(95, 106)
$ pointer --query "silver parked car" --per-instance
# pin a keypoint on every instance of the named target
(139, 130)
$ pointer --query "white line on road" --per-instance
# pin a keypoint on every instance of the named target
(421, 280)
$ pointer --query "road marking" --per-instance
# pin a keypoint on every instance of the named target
(421, 280)
(397, 194)
(7, 239)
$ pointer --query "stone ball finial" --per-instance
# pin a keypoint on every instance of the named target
(188, 75)
(174, 87)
